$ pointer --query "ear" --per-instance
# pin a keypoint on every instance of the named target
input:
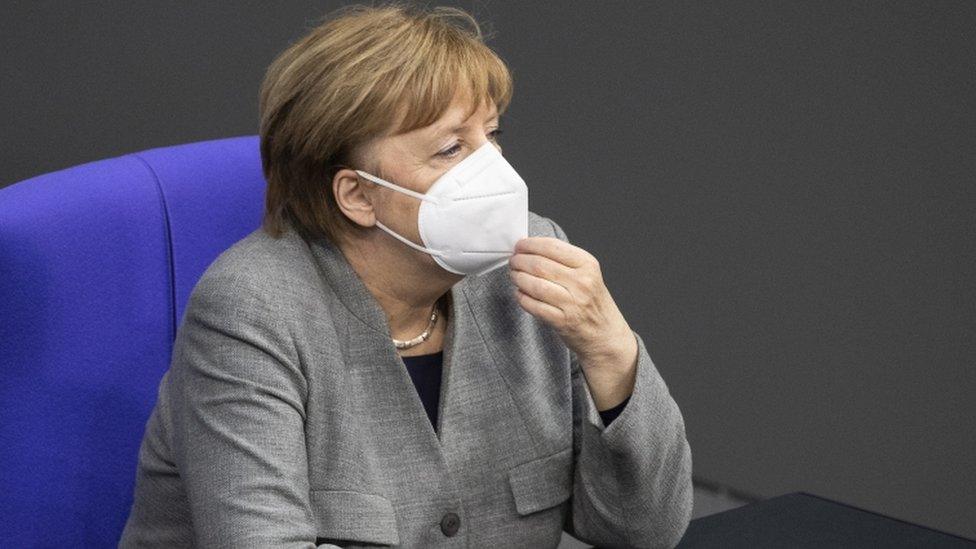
(353, 197)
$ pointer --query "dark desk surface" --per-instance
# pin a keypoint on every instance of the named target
(805, 520)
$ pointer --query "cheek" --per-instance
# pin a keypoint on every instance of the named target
(404, 207)
(410, 214)
(404, 211)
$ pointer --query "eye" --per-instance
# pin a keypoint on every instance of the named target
(450, 153)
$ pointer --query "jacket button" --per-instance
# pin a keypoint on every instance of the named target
(450, 524)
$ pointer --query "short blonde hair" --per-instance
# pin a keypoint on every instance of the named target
(363, 72)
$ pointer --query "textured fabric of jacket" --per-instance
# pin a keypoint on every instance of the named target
(287, 419)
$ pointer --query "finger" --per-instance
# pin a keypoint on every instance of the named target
(553, 248)
(542, 267)
(540, 288)
(540, 309)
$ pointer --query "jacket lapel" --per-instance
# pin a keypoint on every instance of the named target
(372, 356)
(482, 432)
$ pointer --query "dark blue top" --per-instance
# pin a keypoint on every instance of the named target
(425, 371)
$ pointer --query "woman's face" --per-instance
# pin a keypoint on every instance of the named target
(414, 160)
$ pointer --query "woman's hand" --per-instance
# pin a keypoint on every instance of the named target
(562, 285)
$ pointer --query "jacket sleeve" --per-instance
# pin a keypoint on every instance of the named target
(632, 485)
(238, 420)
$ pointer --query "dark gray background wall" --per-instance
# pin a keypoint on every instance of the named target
(781, 195)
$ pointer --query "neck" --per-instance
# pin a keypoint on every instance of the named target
(405, 288)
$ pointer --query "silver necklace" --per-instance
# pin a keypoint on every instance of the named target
(423, 336)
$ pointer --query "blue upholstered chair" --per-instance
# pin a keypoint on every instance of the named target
(96, 264)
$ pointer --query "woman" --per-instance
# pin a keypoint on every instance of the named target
(404, 354)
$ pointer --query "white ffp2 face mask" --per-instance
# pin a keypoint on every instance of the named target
(473, 214)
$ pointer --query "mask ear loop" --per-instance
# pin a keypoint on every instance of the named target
(407, 242)
(414, 194)
(396, 187)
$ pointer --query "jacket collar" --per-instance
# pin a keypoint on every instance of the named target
(347, 285)
(354, 294)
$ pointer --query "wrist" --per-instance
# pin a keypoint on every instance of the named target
(611, 375)
(616, 355)
(608, 391)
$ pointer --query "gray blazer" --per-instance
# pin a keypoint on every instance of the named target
(287, 419)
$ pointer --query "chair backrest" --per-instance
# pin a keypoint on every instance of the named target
(96, 264)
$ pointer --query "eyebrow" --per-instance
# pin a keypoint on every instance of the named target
(456, 129)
